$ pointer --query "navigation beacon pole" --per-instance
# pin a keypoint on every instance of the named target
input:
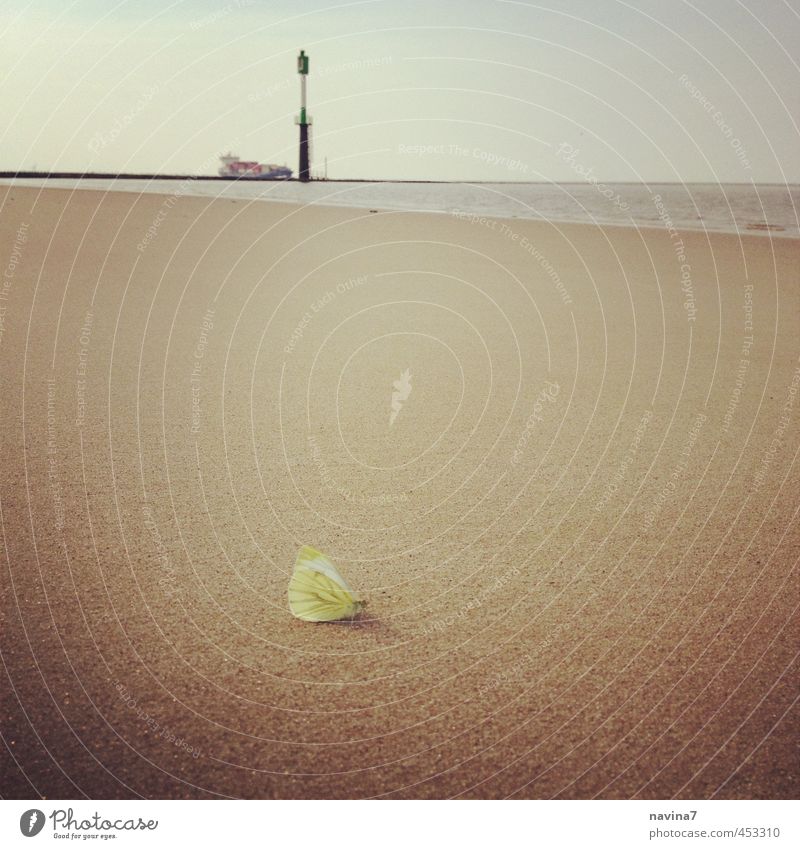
(303, 120)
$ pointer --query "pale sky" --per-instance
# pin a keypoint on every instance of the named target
(655, 90)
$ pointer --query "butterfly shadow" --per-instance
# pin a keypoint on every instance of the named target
(364, 622)
(368, 623)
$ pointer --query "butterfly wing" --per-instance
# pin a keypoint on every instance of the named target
(317, 592)
(310, 558)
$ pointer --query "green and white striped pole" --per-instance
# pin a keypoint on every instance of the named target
(303, 121)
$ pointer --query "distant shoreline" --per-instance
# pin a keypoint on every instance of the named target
(101, 175)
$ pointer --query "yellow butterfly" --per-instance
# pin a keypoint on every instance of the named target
(317, 592)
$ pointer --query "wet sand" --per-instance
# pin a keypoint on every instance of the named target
(578, 534)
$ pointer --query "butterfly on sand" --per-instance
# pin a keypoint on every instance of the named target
(317, 592)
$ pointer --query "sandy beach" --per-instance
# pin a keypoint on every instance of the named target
(576, 526)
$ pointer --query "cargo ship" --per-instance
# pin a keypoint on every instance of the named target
(234, 167)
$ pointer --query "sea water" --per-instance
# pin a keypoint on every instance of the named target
(764, 209)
